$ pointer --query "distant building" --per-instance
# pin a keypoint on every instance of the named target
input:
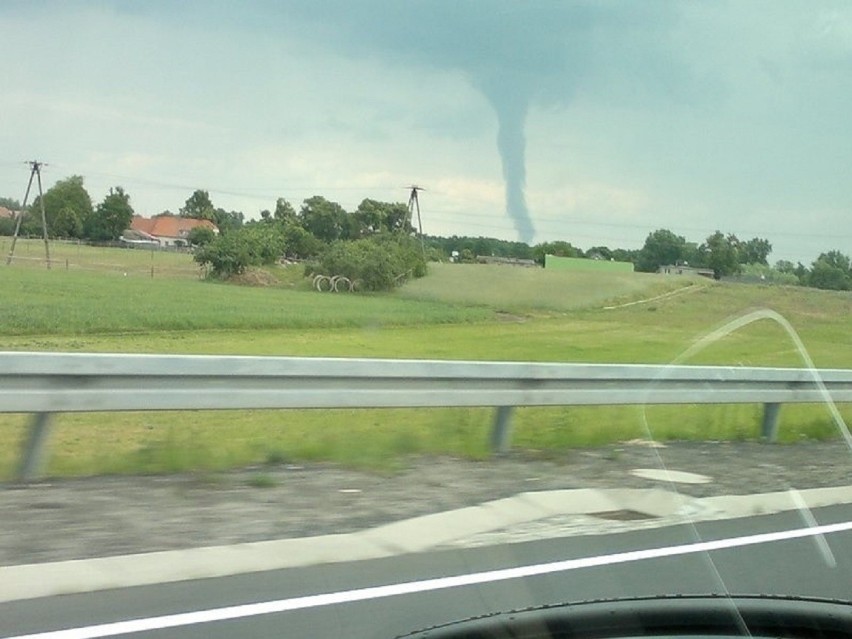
(8, 213)
(683, 269)
(509, 261)
(165, 230)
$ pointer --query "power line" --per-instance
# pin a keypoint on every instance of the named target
(266, 192)
(272, 193)
(546, 219)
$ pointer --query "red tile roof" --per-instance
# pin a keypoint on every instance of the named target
(169, 226)
(4, 212)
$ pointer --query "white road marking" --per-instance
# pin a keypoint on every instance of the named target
(426, 585)
(670, 476)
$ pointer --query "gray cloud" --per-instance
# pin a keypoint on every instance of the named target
(723, 114)
(516, 53)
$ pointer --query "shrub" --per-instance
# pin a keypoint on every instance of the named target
(408, 250)
(378, 263)
(300, 243)
(768, 274)
(233, 252)
(201, 236)
(7, 226)
(827, 276)
(226, 256)
(265, 242)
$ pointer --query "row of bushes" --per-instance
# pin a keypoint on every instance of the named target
(377, 263)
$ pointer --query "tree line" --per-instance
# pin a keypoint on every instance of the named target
(727, 255)
(723, 254)
(329, 237)
(372, 245)
(69, 213)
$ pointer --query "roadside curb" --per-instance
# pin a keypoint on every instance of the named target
(490, 523)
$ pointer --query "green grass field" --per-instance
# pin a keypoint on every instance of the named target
(71, 256)
(535, 289)
(446, 315)
(85, 303)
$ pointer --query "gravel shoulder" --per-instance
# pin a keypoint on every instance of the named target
(103, 516)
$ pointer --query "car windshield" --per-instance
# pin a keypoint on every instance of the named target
(326, 318)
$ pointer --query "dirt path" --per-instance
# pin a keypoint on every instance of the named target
(73, 519)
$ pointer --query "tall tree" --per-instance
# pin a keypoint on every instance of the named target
(284, 211)
(801, 271)
(785, 266)
(111, 217)
(600, 253)
(10, 203)
(662, 247)
(199, 207)
(67, 207)
(694, 255)
(559, 248)
(373, 216)
(722, 254)
(832, 271)
(228, 220)
(67, 223)
(326, 220)
(625, 255)
(754, 251)
(836, 259)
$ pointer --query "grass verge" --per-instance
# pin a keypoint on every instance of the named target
(377, 440)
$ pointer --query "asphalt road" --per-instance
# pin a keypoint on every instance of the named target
(799, 566)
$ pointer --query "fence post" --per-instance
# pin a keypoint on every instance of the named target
(31, 464)
(769, 428)
(501, 434)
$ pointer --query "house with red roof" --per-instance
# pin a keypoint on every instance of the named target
(166, 230)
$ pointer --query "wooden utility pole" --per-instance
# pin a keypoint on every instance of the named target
(414, 203)
(35, 172)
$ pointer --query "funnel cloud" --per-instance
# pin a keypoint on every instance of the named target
(511, 143)
(517, 54)
(514, 53)
(609, 119)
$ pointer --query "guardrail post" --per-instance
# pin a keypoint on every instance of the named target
(501, 434)
(769, 428)
(31, 464)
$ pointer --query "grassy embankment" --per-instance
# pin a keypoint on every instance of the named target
(458, 312)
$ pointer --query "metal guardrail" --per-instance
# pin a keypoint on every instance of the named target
(45, 383)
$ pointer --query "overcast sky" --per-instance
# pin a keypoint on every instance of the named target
(592, 122)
